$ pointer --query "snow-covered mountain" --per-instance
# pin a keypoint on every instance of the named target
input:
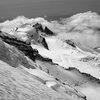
(44, 60)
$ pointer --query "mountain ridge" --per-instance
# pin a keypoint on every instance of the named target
(59, 55)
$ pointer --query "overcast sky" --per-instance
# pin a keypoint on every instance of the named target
(34, 8)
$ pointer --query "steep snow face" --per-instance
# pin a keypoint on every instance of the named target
(75, 43)
(16, 83)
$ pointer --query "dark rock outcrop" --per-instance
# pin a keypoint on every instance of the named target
(33, 54)
(38, 27)
(46, 30)
(70, 43)
(12, 56)
(20, 45)
(43, 42)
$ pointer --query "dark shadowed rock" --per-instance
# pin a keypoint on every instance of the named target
(33, 54)
(43, 42)
(20, 45)
(12, 56)
(38, 27)
(46, 30)
(70, 43)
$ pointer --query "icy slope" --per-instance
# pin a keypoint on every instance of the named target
(17, 84)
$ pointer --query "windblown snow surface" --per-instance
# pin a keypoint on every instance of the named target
(77, 65)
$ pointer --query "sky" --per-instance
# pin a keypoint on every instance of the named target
(36, 8)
